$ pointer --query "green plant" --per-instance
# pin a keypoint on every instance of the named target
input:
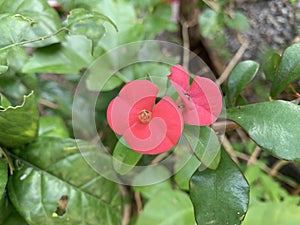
(47, 174)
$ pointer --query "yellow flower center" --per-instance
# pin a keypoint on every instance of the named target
(145, 116)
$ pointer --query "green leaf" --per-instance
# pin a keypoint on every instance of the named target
(198, 144)
(52, 170)
(151, 175)
(239, 77)
(19, 125)
(16, 58)
(262, 186)
(53, 126)
(124, 158)
(8, 214)
(66, 58)
(151, 190)
(187, 163)
(210, 23)
(288, 69)
(80, 15)
(4, 103)
(112, 83)
(272, 125)
(3, 176)
(28, 21)
(89, 23)
(270, 67)
(13, 27)
(158, 21)
(3, 69)
(237, 21)
(271, 213)
(220, 196)
(205, 144)
(167, 208)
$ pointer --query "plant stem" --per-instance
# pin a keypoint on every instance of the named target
(34, 40)
(8, 159)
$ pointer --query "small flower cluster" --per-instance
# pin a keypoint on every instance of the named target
(153, 128)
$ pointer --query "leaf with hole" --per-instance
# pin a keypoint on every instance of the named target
(60, 186)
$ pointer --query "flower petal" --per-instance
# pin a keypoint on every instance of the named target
(136, 90)
(165, 129)
(147, 144)
(206, 96)
(179, 78)
(134, 95)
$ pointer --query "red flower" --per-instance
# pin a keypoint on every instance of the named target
(200, 102)
(147, 128)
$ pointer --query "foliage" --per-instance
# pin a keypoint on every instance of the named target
(45, 177)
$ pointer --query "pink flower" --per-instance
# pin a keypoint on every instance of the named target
(147, 128)
(200, 102)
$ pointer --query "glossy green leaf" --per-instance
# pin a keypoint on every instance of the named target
(239, 77)
(271, 213)
(124, 158)
(68, 57)
(168, 208)
(53, 169)
(53, 126)
(270, 67)
(237, 21)
(24, 21)
(272, 125)
(220, 196)
(19, 125)
(3, 176)
(288, 69)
